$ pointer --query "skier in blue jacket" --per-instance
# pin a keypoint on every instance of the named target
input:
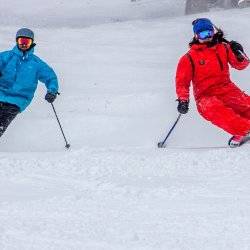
(20, 71)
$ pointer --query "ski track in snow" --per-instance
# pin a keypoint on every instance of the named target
(114, 189)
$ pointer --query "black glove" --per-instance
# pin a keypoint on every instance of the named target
(183, 106)
(237, 50)
(50, 97)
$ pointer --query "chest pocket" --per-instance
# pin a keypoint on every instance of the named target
(205, 66)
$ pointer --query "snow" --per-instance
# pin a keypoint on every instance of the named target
(114, 189)
(56, 13)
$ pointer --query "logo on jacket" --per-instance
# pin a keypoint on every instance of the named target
(202, 62)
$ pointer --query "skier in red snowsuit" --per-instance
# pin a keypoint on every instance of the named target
(206, 64)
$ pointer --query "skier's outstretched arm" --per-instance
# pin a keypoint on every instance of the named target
(184, 75)
(47, 75)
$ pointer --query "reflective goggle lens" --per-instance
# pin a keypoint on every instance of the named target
(24, 41)
(205, 34)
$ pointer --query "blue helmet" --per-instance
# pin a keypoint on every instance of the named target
(202, 24)
(25, 32)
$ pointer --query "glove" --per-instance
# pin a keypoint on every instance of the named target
(237, 49)
(50, 97)
(183, 106)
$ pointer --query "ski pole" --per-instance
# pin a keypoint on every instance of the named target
(67, 144)
(244, 55)
(161, 144)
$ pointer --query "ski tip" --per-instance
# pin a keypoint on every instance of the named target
(67, 146)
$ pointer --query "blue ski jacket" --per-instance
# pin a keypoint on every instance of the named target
(19, 76)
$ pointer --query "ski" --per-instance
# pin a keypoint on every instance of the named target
(244, 141)
(195, 147)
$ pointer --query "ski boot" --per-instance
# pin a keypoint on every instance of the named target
(238, 140)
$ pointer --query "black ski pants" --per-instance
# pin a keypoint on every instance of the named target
(7, 113)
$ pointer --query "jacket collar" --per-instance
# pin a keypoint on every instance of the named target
(20, 53)
(200, 46)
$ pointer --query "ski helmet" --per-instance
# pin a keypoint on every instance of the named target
(25, 32)
(202, 24)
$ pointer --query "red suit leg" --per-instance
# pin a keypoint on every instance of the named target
(214, 110)
(237, 100)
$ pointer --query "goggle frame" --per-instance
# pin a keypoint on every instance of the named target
(24, 41)
(205, 34)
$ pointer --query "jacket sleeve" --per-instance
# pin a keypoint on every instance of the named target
(47, 75)
(184, 75)
(1, 62)
(3, 59)
(234, 62)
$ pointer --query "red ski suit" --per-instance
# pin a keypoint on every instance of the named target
(218, 99)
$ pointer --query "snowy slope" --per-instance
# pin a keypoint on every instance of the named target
(114, 189)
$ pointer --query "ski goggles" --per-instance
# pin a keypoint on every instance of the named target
(24, 41)
(203, 35)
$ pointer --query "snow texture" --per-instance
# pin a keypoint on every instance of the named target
(114, 189)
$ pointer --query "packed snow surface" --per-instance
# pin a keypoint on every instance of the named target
(114, 189)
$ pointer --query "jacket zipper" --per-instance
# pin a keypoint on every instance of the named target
(18, 64)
